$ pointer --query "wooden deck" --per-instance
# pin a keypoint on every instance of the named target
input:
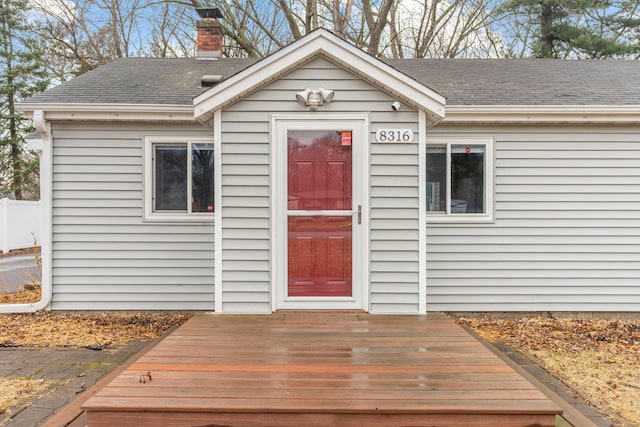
(310, 369)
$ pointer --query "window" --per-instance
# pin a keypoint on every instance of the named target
(460, 179)
(179, 178)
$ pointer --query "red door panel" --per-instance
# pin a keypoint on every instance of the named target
(319, 256)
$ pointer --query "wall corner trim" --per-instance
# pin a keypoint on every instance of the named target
(217, 153)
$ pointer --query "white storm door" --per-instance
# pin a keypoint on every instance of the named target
(319, 214)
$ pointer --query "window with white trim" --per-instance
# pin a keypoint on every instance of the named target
(179, 178)
(460, 179)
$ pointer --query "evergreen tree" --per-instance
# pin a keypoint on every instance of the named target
(575, 28)
(21, 76)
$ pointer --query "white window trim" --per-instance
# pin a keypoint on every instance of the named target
(149, 214)
(448, 217)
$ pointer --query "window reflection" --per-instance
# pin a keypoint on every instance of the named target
(171, 177)
(463, 174)
(202, 178)
(319, 170)
(467, 179)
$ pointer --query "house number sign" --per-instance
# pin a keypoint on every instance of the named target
(394, 135)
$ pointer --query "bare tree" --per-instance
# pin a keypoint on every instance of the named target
(442, 29)
(80, 35)
(341, 15)
(171, 31)
(377, 21)
(390, 28)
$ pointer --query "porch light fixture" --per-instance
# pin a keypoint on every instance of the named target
(314, 97)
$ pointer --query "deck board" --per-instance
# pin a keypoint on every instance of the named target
(320, 369)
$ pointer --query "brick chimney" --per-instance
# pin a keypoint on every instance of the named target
(209, 34)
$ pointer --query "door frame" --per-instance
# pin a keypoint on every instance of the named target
(280, 124)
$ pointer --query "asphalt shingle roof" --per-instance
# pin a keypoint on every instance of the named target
(528, 81)
(461, 81)
(174, 81)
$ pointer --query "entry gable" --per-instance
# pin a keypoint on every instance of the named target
(321, 43)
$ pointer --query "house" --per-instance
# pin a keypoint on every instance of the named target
(321, 178)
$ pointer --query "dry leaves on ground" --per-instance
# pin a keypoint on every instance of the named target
(29, 293)
(15, 392)
(24, 295)
(75, 329)
(97, 331)
(599, 359)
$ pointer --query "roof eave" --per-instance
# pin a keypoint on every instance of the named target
(110, 112)
(530, 114)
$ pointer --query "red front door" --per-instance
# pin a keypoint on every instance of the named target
(319, 218)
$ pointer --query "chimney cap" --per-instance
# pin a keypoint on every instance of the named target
(209, 12)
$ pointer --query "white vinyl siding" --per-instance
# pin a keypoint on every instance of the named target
(244, 211)
(246, 197)
(567, 226)
(394, 220)
(105, 256)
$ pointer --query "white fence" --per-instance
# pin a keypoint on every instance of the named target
(19, 223)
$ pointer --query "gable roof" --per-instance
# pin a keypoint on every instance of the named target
(176, 81)
(474, 89)
(323, 43)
